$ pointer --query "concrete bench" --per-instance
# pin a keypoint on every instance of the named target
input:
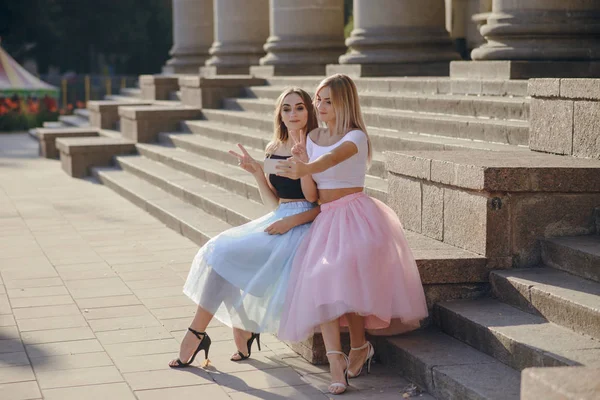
(77, 155)
(104, 114)
(47, 138)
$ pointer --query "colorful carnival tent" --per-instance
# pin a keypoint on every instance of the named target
(14, 79)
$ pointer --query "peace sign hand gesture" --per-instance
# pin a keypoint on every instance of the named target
(299, 148)
(246, 161)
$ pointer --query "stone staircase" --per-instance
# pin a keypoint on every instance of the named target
(486, 324)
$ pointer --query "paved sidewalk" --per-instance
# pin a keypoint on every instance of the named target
(91, 304)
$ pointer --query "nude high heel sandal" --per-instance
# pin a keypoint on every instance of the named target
(335, 385)
(370, 354)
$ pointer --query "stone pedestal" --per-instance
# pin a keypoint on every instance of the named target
(47, 138)
(397, 37)
(305, 37)
(192, 36)
(78, 155)
(104, 114)
(209, 92)
(241, 29)
(533, 35)
(142, 124)
(158, 87)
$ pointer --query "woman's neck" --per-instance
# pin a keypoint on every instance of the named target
(330, 126)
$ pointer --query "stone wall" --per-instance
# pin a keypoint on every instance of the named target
(565, 117)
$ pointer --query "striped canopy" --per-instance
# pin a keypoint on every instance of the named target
(14, 79)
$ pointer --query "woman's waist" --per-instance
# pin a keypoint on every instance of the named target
(343, 200)
(295, 203)
(330, 195)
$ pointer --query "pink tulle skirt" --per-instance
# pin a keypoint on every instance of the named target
(354, 259)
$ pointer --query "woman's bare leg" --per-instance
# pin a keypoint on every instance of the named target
(331, 336)
(356, 326)
(241, 338)
(190, 342)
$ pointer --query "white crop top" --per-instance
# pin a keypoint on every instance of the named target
(347, 174)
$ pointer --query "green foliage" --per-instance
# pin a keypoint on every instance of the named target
(135, 35)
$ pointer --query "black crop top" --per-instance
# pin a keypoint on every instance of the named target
(286, 188)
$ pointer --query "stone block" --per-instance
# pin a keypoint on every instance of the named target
(465, 220)
(587, 89)
(209, 92)
(551, 126)
(47, 138)
(77, 155)
(405, 199)
(380, 70)
(105, 114)
(142, 124)
(586, 133)
(432, 211)
(544, 87)
(158, 87)
(561, 383)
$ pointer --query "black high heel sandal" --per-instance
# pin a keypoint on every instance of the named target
(203, 345)
(249, 343)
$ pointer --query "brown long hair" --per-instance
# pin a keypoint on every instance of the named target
(281, 134)
(344, 99)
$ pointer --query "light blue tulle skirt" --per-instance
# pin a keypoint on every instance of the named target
(241, 275)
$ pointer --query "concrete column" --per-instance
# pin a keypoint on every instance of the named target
(241, 29)
(541, 30)
(398, 37)
(305, 36)
(192, 36)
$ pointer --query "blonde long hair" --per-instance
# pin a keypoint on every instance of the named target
(344, 99)
(281, 134)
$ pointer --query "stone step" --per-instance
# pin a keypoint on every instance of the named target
(516, 338)
(131, 92)
(178, 215)
(439, 264)
(440, 85)
(82, 112)
(458, 127)
(579, 255)
(448, 368)
(175, 96)
(221, 203)
(258, 138)
(512, 108)
(227, 176)
(74, 120)
(218, 150)
(559, 297)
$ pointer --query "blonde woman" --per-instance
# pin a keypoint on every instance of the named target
(354, 267)
(241, 276)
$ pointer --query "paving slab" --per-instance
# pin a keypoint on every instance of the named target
(92, 306)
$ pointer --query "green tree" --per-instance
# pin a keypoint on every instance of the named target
(134, 35)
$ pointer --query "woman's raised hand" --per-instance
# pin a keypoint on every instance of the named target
(246, 161)
(292, 168)
(299, 148)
